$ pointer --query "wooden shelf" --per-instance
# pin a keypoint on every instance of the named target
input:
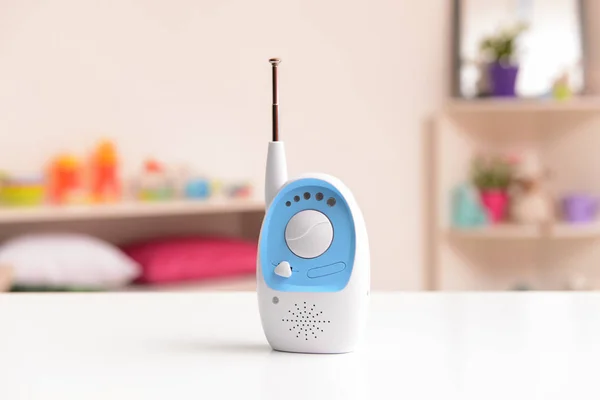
(576, 104)
(518, 232)
(128, 210)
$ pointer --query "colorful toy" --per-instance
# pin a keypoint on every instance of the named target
(242, 190)
(467, 210)
(216, 188)
(22, 191)
(579, 208)
(65, 180)
(198, 188)
(561, 88)
(105, 184)
(154, 183)
(531, 203)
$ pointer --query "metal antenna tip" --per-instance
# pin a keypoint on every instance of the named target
(275, 61)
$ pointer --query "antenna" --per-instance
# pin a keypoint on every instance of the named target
(276, 174)
(274, 63)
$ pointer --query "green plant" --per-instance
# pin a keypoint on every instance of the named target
(492, 173)
(502, 46)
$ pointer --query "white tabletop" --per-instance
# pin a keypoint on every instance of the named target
(211, 346)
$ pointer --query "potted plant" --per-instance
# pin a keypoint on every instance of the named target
(492, 177)
(499, 51)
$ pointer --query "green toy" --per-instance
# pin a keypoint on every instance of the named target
(467, 211)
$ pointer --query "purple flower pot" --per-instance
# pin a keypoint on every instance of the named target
(579, 208)
(503, 79)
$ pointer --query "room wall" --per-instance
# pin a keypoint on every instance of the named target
(188, 82)
(592, 21)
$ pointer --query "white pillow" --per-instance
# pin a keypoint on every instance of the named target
(67, 260)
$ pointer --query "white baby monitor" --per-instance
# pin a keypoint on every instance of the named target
(313, 265)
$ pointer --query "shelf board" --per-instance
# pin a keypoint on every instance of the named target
(501, 231)
(575, 231)
(515, 231)
(130, 209)
(576, 104)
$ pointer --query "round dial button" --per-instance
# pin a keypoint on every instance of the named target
(309, 234)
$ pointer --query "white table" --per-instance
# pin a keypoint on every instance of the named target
(210, 346)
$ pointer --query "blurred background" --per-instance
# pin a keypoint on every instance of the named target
(133, 138)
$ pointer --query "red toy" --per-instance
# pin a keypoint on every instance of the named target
(65, 180)
(104, 179)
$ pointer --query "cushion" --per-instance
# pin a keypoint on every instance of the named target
(67, 260)
(192, 258)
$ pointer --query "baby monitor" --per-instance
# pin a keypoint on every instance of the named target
(313, 265)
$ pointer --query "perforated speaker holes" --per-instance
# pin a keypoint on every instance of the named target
(305, 321)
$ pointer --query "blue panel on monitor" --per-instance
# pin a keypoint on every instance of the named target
(329, 272)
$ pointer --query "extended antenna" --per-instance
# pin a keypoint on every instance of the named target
(274, 63)
(276, 175)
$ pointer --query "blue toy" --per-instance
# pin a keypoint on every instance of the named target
(467, 210)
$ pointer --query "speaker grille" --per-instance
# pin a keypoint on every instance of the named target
(306, 321)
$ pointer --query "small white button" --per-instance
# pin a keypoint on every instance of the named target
(283, 269)
(309, 234)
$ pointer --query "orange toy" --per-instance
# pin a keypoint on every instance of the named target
(65, 176)
(104, 179)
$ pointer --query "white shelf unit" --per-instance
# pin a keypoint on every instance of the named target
(517, 232)
(524, 106)
(129, 209)
(133, 221)
(567, 136)
(503, 231)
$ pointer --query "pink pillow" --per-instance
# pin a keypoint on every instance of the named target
(194, 258)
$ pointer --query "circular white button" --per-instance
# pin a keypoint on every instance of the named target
(309, 234)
